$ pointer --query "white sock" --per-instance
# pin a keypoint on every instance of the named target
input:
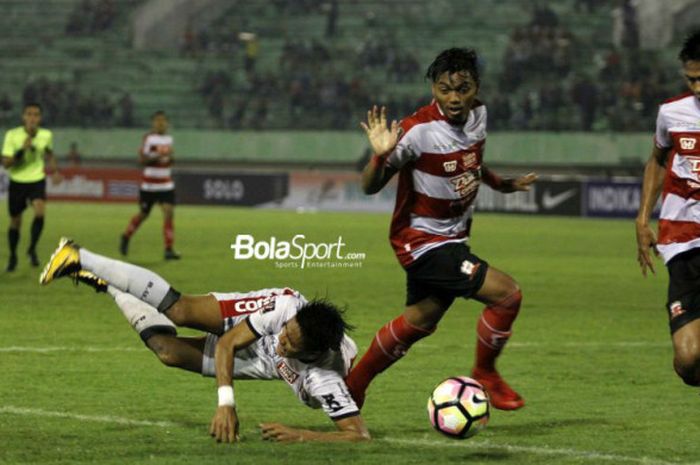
(145, 319)
(139, 282)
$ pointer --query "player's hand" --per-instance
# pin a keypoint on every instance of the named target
(382, 139)
(280, 433)
(523, 183)
(56, 178)
(224, 425)
(646, 241)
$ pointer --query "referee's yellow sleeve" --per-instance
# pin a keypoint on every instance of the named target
(7, 149)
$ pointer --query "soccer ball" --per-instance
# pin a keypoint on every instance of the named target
(459, 407)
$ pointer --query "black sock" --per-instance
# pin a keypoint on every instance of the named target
(13, 239)
(37, 227)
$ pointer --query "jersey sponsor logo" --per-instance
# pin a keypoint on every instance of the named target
(694, 164)
(254, 304)
(287, 373)
(550, 201)
(676, 309)
(469, 159)
(688, 143)
(466, 184)
(450, 166)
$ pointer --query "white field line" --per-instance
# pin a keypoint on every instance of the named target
(545, 451)
(69, 349)
(471, 445)
(8, 409)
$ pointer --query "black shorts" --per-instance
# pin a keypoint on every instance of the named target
(148, 198)
(448, 272)
(21, 194)
(683, 304)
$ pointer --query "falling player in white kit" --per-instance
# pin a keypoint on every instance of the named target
(266, 334)
(157, 186)
(674, 168)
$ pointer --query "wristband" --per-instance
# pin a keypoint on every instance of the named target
(378, 160)
(226, 396)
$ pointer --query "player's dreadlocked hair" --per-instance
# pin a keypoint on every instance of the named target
(691, 48)
(322, 325)
(453, 60)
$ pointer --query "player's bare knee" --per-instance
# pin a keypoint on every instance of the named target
(178, 313)
(162, 345)
(687, 366)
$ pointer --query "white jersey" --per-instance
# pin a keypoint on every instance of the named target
(318, 384)
(157, 178)
(678, 130)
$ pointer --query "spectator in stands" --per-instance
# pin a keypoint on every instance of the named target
(6, 107)
(73, 156)
(126, 111)
(585, 95)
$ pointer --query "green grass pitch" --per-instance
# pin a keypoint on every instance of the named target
(590, 353)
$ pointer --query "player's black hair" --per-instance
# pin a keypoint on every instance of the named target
(691, 48)
(33, 104)
(453, 60)
(322, 325)
(159, 113)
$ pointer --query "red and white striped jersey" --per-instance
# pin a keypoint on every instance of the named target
(678, 129)
(157, 177)
(439, 176)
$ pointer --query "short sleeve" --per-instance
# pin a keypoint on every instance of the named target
(49, 141)
(270, 319)
(661, 137)
(8, 150)
(329, 391)
(405, 150)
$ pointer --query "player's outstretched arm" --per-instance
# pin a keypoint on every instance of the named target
(351, 429)
(507, 185)
(383, 140)
(654, 174)
(224, 425)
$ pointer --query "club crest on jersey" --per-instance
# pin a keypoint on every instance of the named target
(688, 143)
(450, 166)
(469, 268)
(287, 373)
(676, 309)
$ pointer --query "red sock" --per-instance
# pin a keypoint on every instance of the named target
(133, 226)
(390, 344)
(168, 233)
(493, 330)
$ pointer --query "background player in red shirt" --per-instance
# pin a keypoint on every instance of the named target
(674, 166)
(157, 186)
(438, 154)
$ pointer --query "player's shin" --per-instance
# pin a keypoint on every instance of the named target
(494, 329)
(139, 282)
(145, 319)
(390, 343)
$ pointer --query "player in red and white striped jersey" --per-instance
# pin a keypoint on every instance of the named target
(157, 186)
(674, 167)
(438, 152)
